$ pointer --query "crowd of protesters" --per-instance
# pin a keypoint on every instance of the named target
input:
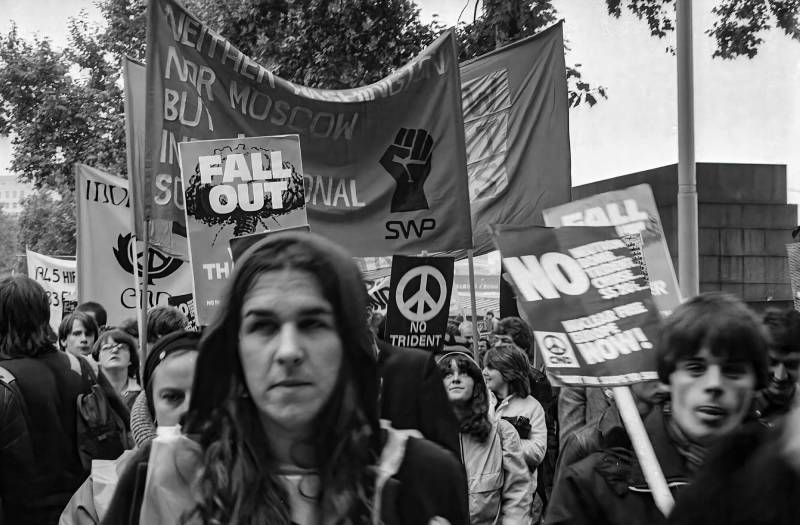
(291, 409)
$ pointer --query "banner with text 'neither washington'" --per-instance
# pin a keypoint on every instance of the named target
(385, 165)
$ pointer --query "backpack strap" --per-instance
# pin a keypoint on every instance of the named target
(6, 376)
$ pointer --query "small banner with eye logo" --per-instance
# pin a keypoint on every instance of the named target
(588, 300)
(236, 187)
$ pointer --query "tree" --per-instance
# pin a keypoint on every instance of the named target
(737, 28)
(54, 119)
(9, 246)
(47, 223)
(323, 44)
(505, 21)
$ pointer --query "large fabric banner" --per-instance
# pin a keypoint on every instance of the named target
(109, 261)
(57, 277)
(587, 300)
(631, 211)
(134, 88)
(517, 133)
(236, 187)
(385, 165)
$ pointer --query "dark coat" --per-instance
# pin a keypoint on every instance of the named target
(747, 481)
(39, 464)
(428, 484)
(608, 487)
(413, 395)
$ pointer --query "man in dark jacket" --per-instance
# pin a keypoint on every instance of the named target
(712, 352)
(39, 463)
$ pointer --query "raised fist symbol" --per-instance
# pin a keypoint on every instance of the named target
(408, 161)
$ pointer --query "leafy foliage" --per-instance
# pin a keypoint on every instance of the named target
(320, 43)
(737, 28)
(505, 21)
(47, 223)
(10, 254)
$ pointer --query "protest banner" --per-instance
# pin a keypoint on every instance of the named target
(385, 164)
(630, 211)
(419, 299)
(793, 253)
(134, 83)
(109, 260)
(57, 277)
(378, 294)
(516, 118)
(236, 187)
(185, 303)
(587, 301)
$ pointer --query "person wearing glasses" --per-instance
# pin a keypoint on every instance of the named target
(117, 354)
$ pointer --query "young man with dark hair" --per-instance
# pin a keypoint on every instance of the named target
(96, 310)
(712, 353)
(163, 320)
(39, 463)
(781, 393)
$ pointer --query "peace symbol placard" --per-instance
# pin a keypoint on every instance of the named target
(419, 295)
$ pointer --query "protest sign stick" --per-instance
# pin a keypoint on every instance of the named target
(143, 302)
(644, 449)
(473, 306)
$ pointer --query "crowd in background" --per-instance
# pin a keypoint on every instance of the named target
(293, 409)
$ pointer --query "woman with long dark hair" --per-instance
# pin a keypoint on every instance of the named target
(499, 482)
(283, 422)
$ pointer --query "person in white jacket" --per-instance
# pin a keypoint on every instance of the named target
(499, 481)
(505, 369)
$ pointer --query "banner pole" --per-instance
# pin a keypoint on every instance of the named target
(143, 302)
(644, 449)
(473, 306)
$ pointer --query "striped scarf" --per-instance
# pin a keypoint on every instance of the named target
(693, 454)
(142, 426)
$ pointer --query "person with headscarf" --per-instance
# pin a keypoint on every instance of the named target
(168, 375)
(283, 420)
(500, 490)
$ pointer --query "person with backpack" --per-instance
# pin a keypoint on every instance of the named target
(40, 465)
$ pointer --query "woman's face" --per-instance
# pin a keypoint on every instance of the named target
(172, 387)
(494, 380)
(710, 395)
(114, 355)
(289, 348)
(79, 341)
(458, 384)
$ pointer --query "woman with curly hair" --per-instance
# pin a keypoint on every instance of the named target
(499, 481)
(283, 421)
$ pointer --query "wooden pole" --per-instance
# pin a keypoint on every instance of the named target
(473, 306)
(644, 449)
(143, 302)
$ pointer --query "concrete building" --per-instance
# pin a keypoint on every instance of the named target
(744, 220)
(12, 192)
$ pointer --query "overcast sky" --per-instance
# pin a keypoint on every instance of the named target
(746, 110)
